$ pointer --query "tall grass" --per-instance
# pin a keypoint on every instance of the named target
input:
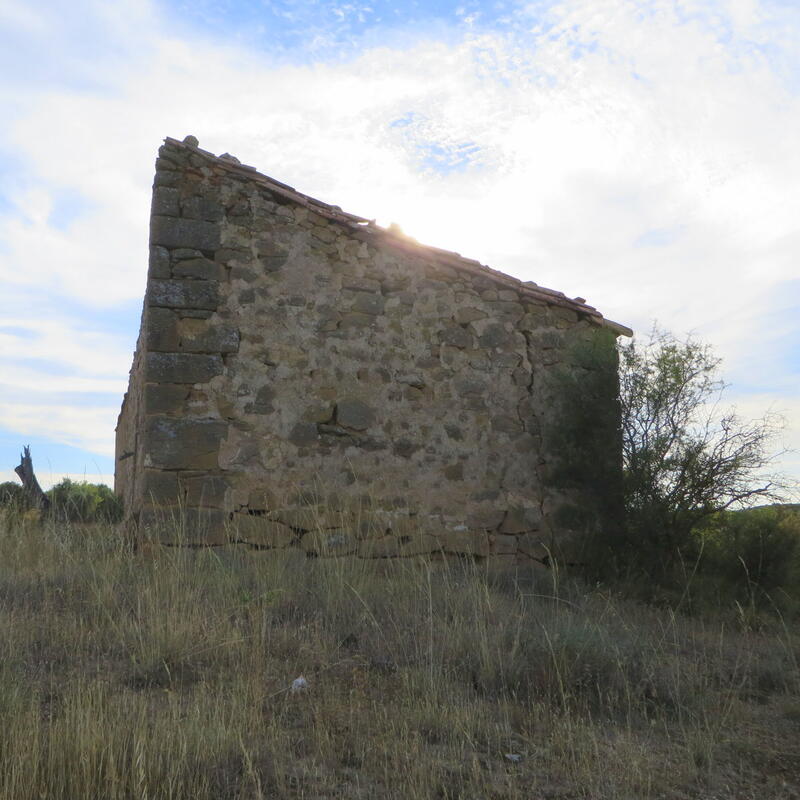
(168, 675)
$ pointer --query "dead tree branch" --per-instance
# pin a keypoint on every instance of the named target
(36, 496)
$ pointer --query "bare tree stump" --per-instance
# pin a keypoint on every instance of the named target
(31, 486)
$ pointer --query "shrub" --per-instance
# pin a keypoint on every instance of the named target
(12, 497)
(654, 468)
(753, 556)
(684, 458)
(85, 502)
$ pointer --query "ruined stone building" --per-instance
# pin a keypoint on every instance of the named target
(304, 377)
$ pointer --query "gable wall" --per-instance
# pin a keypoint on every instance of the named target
(294, 373)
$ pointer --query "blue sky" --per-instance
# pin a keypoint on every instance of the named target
(639, 153)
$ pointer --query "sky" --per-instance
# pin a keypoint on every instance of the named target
(642, 154)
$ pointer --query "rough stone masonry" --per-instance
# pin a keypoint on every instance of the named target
(305, 378)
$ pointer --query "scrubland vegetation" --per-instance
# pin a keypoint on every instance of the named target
(663, 663)
(168, 674)
(70, 501)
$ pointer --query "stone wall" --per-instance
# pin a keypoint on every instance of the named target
(131, 419)
(306, 378)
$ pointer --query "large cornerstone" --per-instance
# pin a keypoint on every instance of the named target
(305, 378)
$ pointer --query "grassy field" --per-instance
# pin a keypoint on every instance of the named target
(168, 675)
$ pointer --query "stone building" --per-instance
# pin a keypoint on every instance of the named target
(304, 377)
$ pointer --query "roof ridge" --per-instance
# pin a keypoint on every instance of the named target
(363, 224)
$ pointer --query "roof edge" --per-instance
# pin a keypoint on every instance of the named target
(370, 229)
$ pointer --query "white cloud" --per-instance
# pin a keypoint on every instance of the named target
(79, 345)
(21, 17)
(87, 427)
(676, 117)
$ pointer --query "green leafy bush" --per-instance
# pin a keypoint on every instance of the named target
(657, 479)
(85, 502)
(12, 497)
(753, 556)
(685, 457)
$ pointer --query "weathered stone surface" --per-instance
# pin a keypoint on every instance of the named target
(519, 519)
(166, 398)
(503, 544)
(464, 316)
(323, 233)
(305, 497)
(360, 284)
(239, 452)
(162, 330)
(355, 414)
(165, 178)
(200, 336)
(246, 274)
(174, 232)
(384, 547)
(355, 319)
(327, 543)
(372, 523)
(202, 268)
(485, 519)
(178, 525)
(172, 443)
(159, 262)
(166, 201)
(546, 340)
(183, 294)
(160, 487)
(507, 424)
(454, 472)
(260, 497)
(416, 544)
(467, 542)
(311, 517)
(264, 401)
(262, 532)
(185, 254)
(533, 544)
(201, 207)
(234, 256)
(405, 448)
(182, 367)
(205, 490)
(365, 303)
(318, 412)
(273, 263)
(564, 314)
(495, 336)
(456, 337)
(303, 434)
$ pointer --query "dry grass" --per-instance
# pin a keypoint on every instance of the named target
(168, 676)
